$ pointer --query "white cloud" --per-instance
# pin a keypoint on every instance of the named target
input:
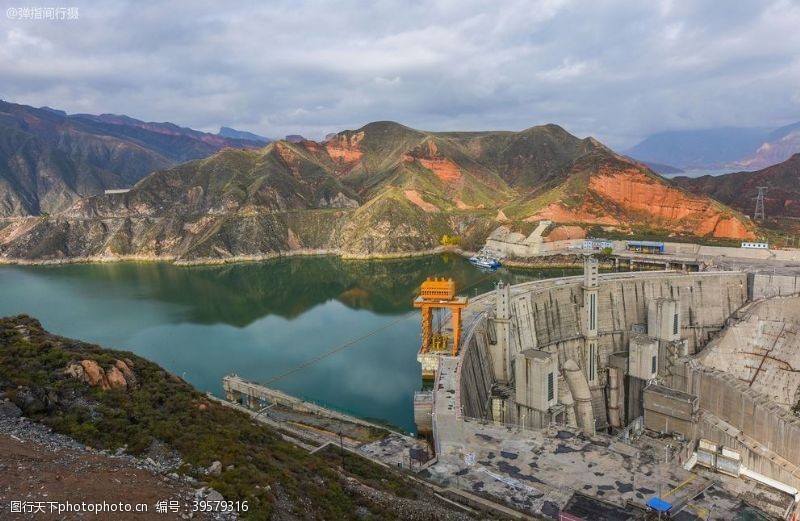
(614, 69)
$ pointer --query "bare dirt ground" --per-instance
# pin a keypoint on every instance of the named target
(38, 467)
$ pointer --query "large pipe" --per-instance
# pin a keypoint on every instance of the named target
(774, 483)
(579, 388)
(613, 398)
(565, 399)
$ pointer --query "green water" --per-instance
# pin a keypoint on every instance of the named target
(257, 320)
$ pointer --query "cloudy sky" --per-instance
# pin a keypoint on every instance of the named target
(614, 69)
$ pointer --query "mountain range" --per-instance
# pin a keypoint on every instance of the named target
(720, 148)
(383, 189)
(49, 160)
(242, 134)
(739, 189)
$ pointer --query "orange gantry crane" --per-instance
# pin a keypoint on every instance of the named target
(439, 293)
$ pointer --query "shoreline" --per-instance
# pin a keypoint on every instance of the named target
(207, 261)
(565, 261)
(540, 263)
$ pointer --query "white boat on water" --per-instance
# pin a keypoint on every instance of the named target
(482, 261)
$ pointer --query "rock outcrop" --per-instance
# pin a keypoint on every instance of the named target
(614, 192)
(117, 376)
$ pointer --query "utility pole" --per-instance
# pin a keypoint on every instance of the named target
(759, 214)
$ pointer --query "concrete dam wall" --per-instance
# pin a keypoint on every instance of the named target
(550, 316)
(476, 373)
(764, 285)
(747, 381)
(766, 435)
(708, 362)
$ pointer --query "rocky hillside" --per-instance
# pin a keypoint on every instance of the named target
(49, 160)
(381, 189)
(740, 189)
(126, 405)
(607, 190)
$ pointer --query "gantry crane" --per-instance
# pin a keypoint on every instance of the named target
(439, 293)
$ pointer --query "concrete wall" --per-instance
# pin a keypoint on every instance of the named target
(764, 285)
(669, 411)
(547, 315)
(504, 241)
(751, 416)
(754, 455)
(476, 374)
(550, 318)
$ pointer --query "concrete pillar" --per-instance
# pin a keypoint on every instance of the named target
(591, 360)
(591, 286)
(579, 388)
(565, 399)
(643, 356)
(613, 397)
(663, 319)
(536, 379)
(501, 351)
(456, 329)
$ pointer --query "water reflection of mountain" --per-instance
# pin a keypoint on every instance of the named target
(239, 294)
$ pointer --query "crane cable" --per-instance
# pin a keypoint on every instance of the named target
(351, 343)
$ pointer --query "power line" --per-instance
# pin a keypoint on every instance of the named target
(338, 349)
(350, 343)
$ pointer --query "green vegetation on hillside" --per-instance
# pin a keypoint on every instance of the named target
(160, 408)
(383, 189)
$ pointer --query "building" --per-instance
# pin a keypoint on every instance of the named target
(645, 247)
(755, 245)
(597, 244)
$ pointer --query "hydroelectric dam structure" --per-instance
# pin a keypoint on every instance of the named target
(675, 392)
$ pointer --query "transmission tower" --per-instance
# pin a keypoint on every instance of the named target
(760, 215)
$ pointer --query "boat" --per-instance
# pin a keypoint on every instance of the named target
(482, 261)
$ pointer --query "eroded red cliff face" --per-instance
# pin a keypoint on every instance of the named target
(635, 191)
(428, 156)
(345, 147)
(288, 157)
(630, 196)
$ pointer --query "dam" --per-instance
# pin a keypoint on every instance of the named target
(675, 392)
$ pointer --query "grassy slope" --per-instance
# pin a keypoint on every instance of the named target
(245, 202)
(266, 470)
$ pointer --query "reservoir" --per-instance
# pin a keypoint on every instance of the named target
(339, 333)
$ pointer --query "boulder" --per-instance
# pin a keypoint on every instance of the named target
(30, 401)
(215, 469)
(75, 371)
(9, 410)
(213, 495)
(94, 374)
(125, 368)
(115, 379)
(118, 376)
